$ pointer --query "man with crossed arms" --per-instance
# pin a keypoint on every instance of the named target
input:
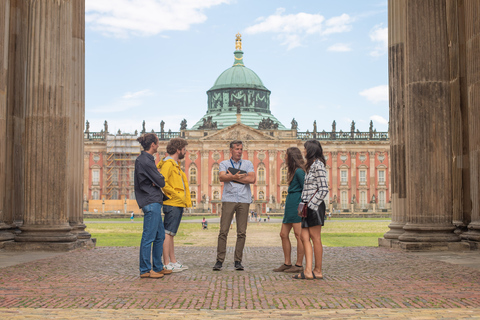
(236, 198)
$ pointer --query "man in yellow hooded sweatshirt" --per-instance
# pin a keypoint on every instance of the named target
(177, 190)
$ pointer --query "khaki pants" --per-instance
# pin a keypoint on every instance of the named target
(241, 213)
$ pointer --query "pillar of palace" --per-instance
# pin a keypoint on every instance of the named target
(471, 11)
(428, 128)
(396, 55)
(5, 234)
(53, 122)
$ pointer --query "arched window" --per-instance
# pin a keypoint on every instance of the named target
(193, 175)
(363, 199)
(261, 175)
(95, 195)
(283, 175)
(284, 197)
(114, 195)
(261, 195)
(193, 195)
(216, 195)
(215, 176)
(381, 199)
(344, 200)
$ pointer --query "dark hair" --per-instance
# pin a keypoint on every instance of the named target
(314, 151)
(176, 144)
(294, 161)
(147, 139)
(234, 143)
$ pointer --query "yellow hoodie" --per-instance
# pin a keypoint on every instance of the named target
(176, 185)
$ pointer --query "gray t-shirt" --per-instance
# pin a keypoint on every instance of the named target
(236, 192)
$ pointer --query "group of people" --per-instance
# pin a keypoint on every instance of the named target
(165, 186)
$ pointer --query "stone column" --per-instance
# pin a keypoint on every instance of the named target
(77, 120)
(353, 172)
(4, 66)
(47, 137)
(472, 54)
(272, 179)
(428, 128)
(334, 181)
(205, 170)
(396, 57)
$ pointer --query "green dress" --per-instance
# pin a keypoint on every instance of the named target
(294, 197)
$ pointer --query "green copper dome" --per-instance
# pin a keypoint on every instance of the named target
(238, 90)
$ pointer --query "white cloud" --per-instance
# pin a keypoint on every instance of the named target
(128, 101)
(379, 35)
(378, 119)
(142, 93)
(292, 29)
(339, 47)
(123, 18)
(376, 94)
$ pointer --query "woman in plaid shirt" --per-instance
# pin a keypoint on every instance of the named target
(315, 189)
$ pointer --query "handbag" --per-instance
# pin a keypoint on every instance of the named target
(303, 207)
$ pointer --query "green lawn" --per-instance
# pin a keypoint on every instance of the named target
(348, 233)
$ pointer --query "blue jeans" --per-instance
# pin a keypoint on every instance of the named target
(153, 232)
(171, 219)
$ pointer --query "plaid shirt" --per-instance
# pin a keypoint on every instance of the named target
(315, 179)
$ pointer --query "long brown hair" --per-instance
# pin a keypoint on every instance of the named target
(314, 151)
(294, 161)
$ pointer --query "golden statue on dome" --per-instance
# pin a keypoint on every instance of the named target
(238, 42)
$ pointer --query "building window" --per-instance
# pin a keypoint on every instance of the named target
(132, 177)
(114, 195)
(284, 175)
(95, 195)
(363, 199)
(363, 177)
(343, 177)
(284, 197)
(381, 199)
(261, 195)
(115, 175)
(344, 199)
(216, 195)
(193, 175)
(261, 175)
(215, 174)
(96, 177)
(193, 195)
(381, 177)
(132, 195)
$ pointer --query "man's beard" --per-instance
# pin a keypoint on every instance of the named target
(181, 156)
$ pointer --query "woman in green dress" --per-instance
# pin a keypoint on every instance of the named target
(295, 177)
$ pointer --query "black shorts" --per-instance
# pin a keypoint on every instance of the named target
(314, 217)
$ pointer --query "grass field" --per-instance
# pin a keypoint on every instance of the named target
(335, 233)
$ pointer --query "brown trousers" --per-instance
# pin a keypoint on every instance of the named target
(241, 213)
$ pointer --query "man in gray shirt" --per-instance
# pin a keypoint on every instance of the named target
(236, 198)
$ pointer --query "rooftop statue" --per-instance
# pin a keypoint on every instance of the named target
(334, 126)
(143, 127)
(183, 124)
(105, 125)
(208, 123)
(87, 127)
(238, 42)
(294, 124)
(267, 124)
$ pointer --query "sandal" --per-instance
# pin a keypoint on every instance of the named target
(317, 278)
(302, 276)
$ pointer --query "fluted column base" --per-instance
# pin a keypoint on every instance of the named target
(396, 229)
(79, 230)
(473, 233)
(428, 233)
(46, 233)
(49, 246)
(460, 227)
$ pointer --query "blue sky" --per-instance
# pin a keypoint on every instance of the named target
(154, 60)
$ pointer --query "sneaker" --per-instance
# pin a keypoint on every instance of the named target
(294, 269)
(238, 266)
(180, 266)
(173, 268)
(282, 268)
(217, 266)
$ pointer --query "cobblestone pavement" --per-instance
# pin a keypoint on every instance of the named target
(360, 282)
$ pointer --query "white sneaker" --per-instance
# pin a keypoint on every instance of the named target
(177, 265)
(172, 267)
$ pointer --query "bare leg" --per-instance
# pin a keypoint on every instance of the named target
(297, 228)
(167, 246)
(316, 235)
(172, 251)
(305, 236)
(286, 245)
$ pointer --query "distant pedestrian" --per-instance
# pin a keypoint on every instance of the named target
(237, 175)
(132, 216)
(148, 183)
(177, 190)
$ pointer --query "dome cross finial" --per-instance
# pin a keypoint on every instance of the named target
(238, 42)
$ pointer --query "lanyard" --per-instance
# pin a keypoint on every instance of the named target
(234, 165)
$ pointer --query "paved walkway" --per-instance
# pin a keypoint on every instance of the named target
(360, 283)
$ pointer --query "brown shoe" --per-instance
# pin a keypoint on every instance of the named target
(165, 272)
(156, 275)
(294, 269)
(282, 268)
(145, 275)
